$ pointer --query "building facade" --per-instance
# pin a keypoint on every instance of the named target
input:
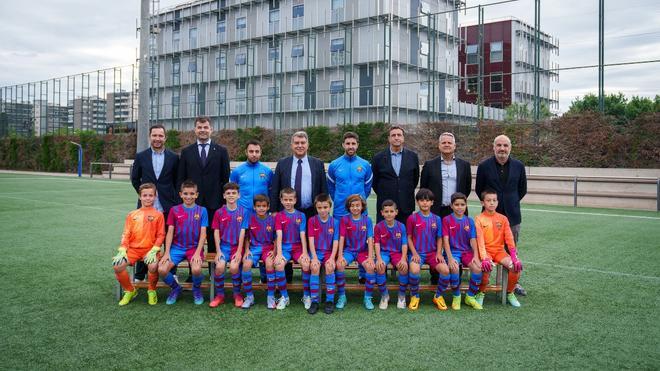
(297, 63)
(121, 110)
(89, 114)
(508, 65)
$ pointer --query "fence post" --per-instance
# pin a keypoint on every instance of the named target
(91, 164)
(110, 172)
(575, 181)
(657, 196)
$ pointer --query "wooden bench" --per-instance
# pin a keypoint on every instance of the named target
(209, 262)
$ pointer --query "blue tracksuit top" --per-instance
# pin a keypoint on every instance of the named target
(347, 176)
(253, 179)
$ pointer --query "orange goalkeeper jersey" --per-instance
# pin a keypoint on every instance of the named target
(144, 228)
(492, 232)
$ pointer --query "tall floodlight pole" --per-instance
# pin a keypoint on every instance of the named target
(143, 89)
(537, 60)
(601, 55)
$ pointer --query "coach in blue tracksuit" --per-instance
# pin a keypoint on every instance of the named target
(252, 177)
(348, 174)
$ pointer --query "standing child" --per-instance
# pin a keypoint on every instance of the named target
(142, 238)
(290, 227)
(425, 243)
(260, 234)
(323, 233)
(356, 241)
(493, 231)
(229, 223)
(460, 244)
(391, 242)
(186, 234)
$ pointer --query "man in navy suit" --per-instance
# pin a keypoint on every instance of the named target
(157, 165)
(507, 177)
(207, 164)
(305, 174)
(396, 173)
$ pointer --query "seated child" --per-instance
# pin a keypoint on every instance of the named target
(391, 243)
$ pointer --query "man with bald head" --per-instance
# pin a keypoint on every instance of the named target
(506, 176)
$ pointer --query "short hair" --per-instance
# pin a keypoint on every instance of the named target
(355, 197)
(458, 196)
(230, 185)
(287, 191)
(260, 198)
(388, 203)
(424, 194)
(396, 127)
(188, 184)
(502, 136)
(157, 126)
(300, 134)
(447, 134)
(322, 197)
(202, 119)
(488, 191)
(350, 134)
(147, 186)
(252, 142)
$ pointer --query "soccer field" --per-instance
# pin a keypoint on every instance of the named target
(592, 275)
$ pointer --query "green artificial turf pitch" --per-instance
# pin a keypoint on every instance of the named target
(593, 284)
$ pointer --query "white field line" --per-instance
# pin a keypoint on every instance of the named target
(586, 269)
(591, 214)
(65, 204)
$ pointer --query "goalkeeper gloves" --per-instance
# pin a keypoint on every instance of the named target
(486, 265)
(152, 255)
(120, 258)
(517, 264)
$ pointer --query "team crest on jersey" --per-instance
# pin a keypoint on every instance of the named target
(135, 218)
(331, 230)
(262, 175)
(363, 228)
(359, 169)
(467, 228)
(498, 225)
(239, 218)
(269, 228)
(397, 235)
(150, 218)
(434, 225)
(196, 217)
(298, 220)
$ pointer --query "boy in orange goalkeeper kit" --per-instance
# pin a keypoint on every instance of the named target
(493, 231)
(144, 232)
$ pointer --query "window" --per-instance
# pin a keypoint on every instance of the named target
(424, 48)
(176, 72)
(176, 41)
(298, 50)
(192, 66)
(496, 82)
(274, 21)
(337, 94)
(273, 92)
(241, 23)
(175, 103)
(424, 8)
(337, 52)
(298, 97)
(192, 33)
(192, 104)
(273, 54)
(423, 97)
(222, 31)
(471, 84)
(298, 16)
(496, 105)
(222, 103)
(337, 7)
(496, 51)
(241, 65)
(222, 65)
(297, 57)
(241, 94)
(241, 59)
(472, 57)
(337, 4)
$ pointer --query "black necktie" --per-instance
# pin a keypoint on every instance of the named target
(203, 154)
(298, 182)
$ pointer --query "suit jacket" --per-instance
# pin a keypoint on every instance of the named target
(143, 172)
(282, 179)
(387, 185)
(432, 179)
(509, 194)
(210, 179)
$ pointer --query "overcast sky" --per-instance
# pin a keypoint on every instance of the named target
(45, 39)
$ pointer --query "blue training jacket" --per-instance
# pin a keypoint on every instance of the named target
(253, 179)
(347, 176)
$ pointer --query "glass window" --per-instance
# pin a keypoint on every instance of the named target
(298, 101)
(337, 4)
(424, 7)
(274, 16)
(241, 23)
(336, 87)
(222, 62)
(472, 57)
(192, 66)
(273, 54)
(472, 82)
(496, 52)
(193, 37)
(424, 48)
(299, 11)
(337, 45)
(496, 83)
(241, 59)
(298, 50)
(222, 26)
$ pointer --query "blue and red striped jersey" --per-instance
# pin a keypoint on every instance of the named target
(459, 231)
(291, 224)
(324, 233)
(355, 232)
(261, 231)
(230, 223)
(425, 230)
(187, 223)
(392, 238)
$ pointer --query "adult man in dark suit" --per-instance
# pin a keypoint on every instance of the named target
(156, 165)
(506, 176)
(305, 174)
(396, 173)
(207, 164)
(446, 175)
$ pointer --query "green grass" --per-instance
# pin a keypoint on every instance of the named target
(585, 309)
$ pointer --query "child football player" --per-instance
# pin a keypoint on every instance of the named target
(229, 223)
(391, 243)
(459, 236)
(323, 233)
(356, 241)
(260, 235)
(186, 233)
(493, 231)
(144, 232)
(425, 243)
(291, 244)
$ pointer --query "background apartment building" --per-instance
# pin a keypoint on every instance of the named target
(508, 65)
